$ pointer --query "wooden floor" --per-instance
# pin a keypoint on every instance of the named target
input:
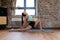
(6, 35)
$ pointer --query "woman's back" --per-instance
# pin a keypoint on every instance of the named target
(29, 18)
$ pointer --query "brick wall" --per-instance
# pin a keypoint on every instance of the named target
(48, 10)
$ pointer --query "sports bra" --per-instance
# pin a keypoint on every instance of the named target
(29, 18)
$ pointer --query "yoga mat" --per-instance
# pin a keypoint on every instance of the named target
(46, 30)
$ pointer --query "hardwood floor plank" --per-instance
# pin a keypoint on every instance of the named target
(6, 35)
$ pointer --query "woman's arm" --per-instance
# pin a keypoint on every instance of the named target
(25, 20)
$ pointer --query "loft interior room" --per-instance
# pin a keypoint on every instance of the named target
(29, 19)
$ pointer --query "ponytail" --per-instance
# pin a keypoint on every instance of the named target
(22, 18)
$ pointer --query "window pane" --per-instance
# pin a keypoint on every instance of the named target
(29, 3)
(18, 11)
(30, 11)
(20, 3)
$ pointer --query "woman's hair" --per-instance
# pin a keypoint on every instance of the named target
(22, 18)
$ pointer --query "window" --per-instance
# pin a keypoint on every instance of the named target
(28, 5)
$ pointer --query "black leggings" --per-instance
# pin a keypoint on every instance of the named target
(32, 23)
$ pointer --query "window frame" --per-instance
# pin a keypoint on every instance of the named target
(27, 7)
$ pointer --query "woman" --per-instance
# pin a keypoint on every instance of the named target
(28, 23)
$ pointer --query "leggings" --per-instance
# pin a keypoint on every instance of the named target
(32, 23)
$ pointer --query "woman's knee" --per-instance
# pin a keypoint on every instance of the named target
(29, 27)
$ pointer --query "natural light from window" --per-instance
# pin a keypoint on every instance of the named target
(27, 5)
(19, 3)
(18, 11)
(30, 11)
